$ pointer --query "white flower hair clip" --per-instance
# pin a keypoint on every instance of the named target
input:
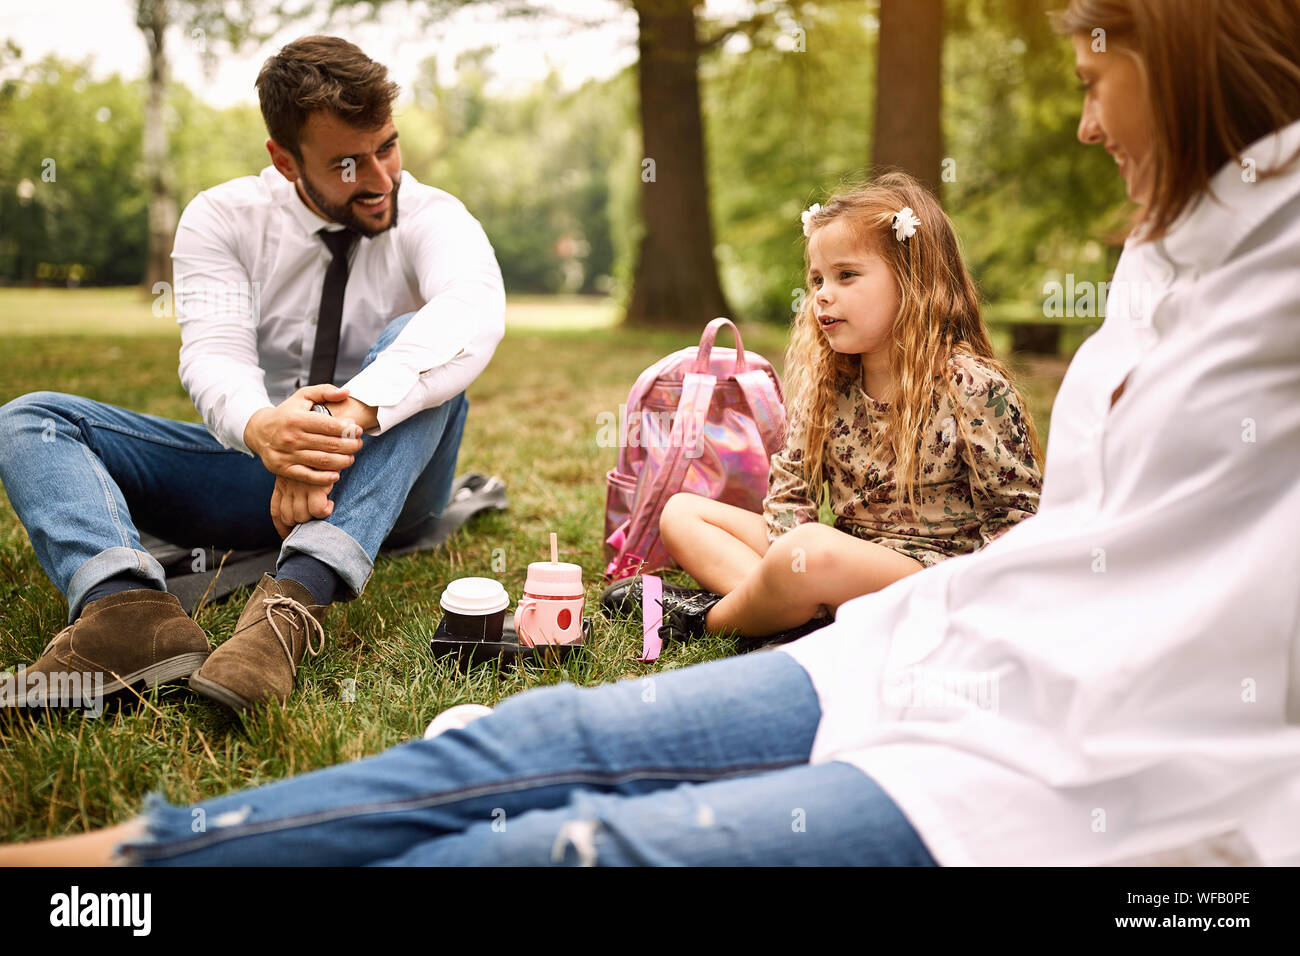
(905, 223)
(806, 217)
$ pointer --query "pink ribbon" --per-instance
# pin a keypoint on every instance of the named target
(623, 567)
(652, 615)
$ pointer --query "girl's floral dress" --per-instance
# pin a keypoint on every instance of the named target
(958, 509)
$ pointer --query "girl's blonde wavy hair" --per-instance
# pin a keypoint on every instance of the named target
(938, 315)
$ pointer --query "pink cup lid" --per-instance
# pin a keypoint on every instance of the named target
(474, 596)
(559, 578)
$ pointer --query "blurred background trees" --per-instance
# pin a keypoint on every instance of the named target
(788, 106)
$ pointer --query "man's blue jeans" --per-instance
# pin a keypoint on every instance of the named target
(82, 476)
(706, 765)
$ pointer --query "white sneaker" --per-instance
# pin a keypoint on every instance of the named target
(455, 717)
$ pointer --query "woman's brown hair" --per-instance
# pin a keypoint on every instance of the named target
(938, 316)
(1220, 75)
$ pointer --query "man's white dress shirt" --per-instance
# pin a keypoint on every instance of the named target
(249, 269)
(1118, 675)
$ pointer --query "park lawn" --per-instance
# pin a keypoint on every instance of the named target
(533, 421)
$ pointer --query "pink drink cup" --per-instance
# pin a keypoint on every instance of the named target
(550, 612)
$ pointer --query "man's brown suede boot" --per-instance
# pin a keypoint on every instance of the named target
(260, 660)
(141, 636)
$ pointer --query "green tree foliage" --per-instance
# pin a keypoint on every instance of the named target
(72, 195)
(535, 169)
(554, 175)
(1030, 202)
(785, 126)
(210, 146)
(788, 128)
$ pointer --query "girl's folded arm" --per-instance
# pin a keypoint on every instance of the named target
(791, 497)
(1005, 479)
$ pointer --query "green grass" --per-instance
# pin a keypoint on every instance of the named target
(533, 421)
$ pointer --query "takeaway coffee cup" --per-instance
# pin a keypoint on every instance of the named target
(476, 609)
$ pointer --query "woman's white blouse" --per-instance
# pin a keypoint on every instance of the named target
(1118, 675)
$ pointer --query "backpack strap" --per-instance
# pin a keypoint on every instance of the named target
(652, 615)
(766, 407)
(645, 381)
(687, 432)
(762, 395)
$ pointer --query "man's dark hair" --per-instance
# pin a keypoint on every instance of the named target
(320, 72)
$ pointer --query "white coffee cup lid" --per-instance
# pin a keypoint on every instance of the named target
(474, 596)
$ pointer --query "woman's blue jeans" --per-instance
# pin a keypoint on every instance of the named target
(82, 476)
(704, 766)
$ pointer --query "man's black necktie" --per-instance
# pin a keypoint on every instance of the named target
(330, 317)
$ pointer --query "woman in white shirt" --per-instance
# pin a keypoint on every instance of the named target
(1116, 678)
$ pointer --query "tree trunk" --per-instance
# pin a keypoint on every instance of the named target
(676, 277)
(152, 20)
(909, 55)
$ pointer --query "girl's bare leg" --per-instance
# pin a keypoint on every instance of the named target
(84, 849)
(807, 567)
(717, 544)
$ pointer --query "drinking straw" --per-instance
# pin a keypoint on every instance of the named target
(555, 548)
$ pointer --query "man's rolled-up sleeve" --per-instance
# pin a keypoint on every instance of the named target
(216, 307)
(448, 342)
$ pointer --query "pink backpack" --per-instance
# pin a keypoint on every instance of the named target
(704, 420)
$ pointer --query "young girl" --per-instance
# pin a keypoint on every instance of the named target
(896, 402)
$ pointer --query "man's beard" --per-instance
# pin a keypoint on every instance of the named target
(345, 215)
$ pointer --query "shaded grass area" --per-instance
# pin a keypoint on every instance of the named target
(122, 310)
(532, 421)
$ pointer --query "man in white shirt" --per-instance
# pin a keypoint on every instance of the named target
(286, 283)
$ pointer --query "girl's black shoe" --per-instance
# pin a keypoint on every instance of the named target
(684, 609)
(684, 615)
(623, 597)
